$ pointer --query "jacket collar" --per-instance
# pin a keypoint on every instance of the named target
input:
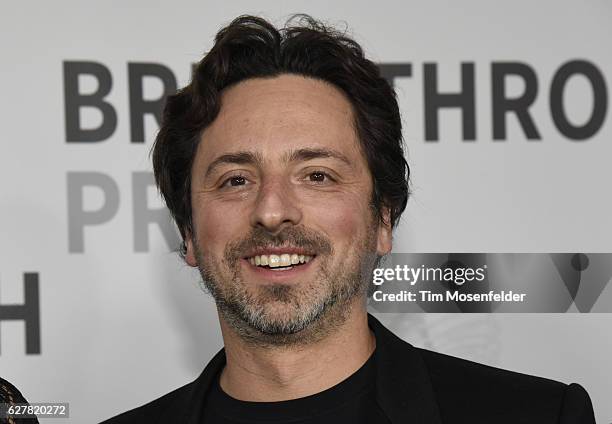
(403, 388)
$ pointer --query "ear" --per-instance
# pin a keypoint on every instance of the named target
(384, 241)
(190, 254)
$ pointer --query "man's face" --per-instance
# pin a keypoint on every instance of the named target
(279, 178)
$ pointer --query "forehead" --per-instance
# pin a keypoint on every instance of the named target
(275, 115)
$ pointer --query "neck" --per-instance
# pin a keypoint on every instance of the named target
(268, 374)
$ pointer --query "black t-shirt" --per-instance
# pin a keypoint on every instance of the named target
(352, 401)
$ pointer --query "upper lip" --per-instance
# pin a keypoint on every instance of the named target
(278, 251)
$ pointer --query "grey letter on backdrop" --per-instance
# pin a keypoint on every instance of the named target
(390, 71)
(465, 100)
(74, 101)
(600, 99)
(139, 107)
(143, 216)
(519, 105)
(78, 218)
(28, 311)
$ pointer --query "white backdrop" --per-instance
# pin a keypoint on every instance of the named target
(119, 327)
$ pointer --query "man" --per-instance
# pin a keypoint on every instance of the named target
(282, 165)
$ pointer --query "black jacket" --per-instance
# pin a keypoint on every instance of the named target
(415, 386)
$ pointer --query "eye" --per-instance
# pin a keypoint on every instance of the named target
(234, 181)
(319, 177)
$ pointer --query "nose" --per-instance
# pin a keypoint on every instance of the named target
(276, 206)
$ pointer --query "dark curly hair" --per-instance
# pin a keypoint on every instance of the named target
(251, 47)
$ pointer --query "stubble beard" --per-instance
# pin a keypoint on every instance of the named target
(287, 315)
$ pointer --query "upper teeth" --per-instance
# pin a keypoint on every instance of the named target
(274, 261)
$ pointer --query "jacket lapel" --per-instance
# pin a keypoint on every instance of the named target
(403, 387)
(188, 407)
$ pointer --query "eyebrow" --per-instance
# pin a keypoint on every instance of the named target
(238, 158)
(302, 155)
(255, 158)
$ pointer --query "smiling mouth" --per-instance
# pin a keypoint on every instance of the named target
(280, 262)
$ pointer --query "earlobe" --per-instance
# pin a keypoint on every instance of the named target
(189, 251)
(385, 233)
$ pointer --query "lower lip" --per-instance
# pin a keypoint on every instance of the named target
(280, 275)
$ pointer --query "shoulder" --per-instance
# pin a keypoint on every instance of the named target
(181, 405)
(153, 410)
(456, 372)
(473, 390)
(456, 390)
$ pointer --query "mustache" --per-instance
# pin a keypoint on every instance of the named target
(299, 237)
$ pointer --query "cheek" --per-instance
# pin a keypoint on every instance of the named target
(344, 221)
(215, 227)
